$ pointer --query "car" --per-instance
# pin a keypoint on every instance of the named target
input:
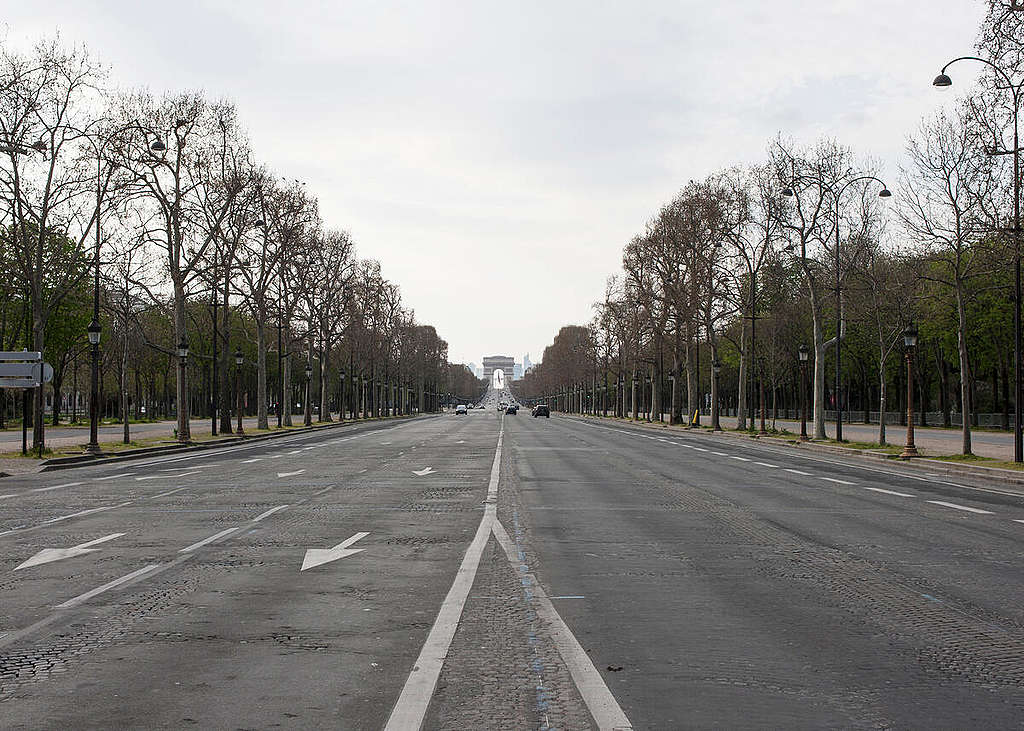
(541, 410)
(461, 409)
(512, 410)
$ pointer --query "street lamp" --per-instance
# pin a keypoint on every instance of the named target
(183, 366)
(910, 342)
(884, 193)
(239, 360)
(716, 368)
(942, 81)
(94, 414)
(805, 354)
(342, 414)
(308, 407)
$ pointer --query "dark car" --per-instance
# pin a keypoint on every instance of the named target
(541, 410)
(512, 410)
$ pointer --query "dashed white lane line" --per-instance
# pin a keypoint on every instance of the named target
(889, 492)
(167, 477)
(295, 451)
(1018, 521)
(765, 464)
(214, 537)
(290, 474)
(106, 587)
(6, 496)
(267, 514)
(254, 459)
(700, 449)
(741, 459)
(276, 456)
(960, 507)
(797, 472)
(113, 477)
(79, 514)
(170, 492)
(54, 487)
(721, 454)
(838, 481)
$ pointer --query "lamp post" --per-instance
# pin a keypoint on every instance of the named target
(648, 394)
(804, 355)
(716, 368)
(94, 398)
(182, 366)
(837, 195)
(1016, 90)
(342, 408)
(239, 360)
(307, 406)
(910, 342)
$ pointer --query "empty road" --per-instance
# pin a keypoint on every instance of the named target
(489, 571)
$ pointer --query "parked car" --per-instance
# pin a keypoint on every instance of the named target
(541, 410)
(461, 409)
(512, 410)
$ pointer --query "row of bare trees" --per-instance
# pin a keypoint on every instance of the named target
(809, 248)
(164, 197)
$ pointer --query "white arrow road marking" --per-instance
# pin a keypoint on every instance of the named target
(424, 471)
(56, 554)
(316, 556)
(290, 474)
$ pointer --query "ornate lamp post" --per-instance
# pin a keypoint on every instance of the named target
(239, 360)
(1016, 91)
(804, 355)
(94, 398)
(182, 366)
(307, 406)
(910, 342)
(342, 409)
(716, 368)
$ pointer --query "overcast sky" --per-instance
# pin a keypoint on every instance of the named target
(496, 156)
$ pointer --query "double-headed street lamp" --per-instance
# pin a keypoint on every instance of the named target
(910, 342)
(838, 194)
(239, 360)
(1016, 90)
(804, 355)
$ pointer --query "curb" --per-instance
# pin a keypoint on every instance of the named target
(61, 463)
(932, 466)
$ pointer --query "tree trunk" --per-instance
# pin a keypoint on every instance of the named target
(819, 368)
(181, 392)
(881, 401)
(741, 397)
(965, 370)
(287, 391)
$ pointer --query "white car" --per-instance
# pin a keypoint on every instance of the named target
(461, 409)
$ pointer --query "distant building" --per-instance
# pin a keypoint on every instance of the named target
(527, 365)
(505, 362)
(473, 368)
(517, 371)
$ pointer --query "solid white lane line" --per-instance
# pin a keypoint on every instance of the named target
(411, 707)
(889, 492)
(113, 477)
(267, 514)
(700, 449)
(170, 492)
(607, 713)
(960, 507)
(106, 587)
(254, 459)
(765, 464)
(837, 481)
(741, 459)
(55, 487)
(290, 474)
(797, 472)
(200, 544)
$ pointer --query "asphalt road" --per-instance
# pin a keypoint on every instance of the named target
(511, 573)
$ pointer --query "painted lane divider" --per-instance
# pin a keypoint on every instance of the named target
(170, 492)
(113, 477)
(48, 555)
(765, 464)
(254, 459)
(424, 471)
(960, 507)
(290, 474)
(797, 472)
(55, 487)
(837, 481)
(889, 492)
(167, 477)
(268, 513)
(106, 587)
(211, 539)
(316, 556)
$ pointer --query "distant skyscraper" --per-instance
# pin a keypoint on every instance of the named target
(517, 371)
(474, 369)
(527, 365)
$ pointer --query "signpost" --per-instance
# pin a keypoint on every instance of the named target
(24, 369)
